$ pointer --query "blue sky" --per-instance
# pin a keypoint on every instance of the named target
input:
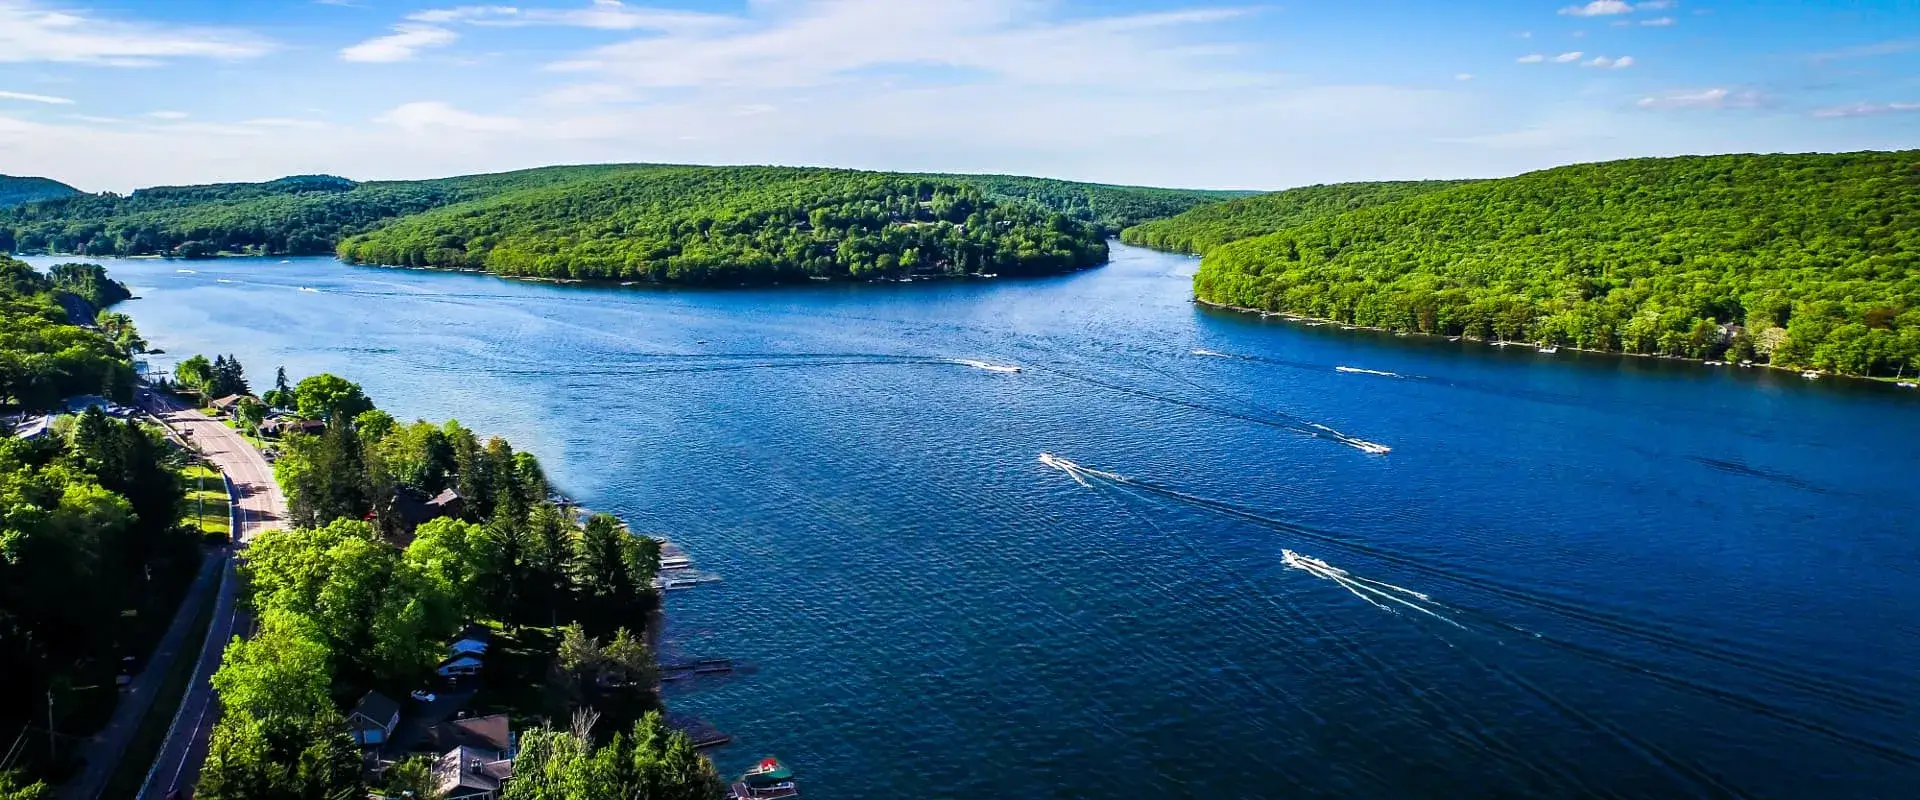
(114, 94)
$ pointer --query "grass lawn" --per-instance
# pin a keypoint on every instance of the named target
(206, 503)
(518, 678)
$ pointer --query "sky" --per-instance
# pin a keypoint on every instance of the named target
(119, 94)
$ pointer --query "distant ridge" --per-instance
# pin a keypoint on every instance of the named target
(18, 190)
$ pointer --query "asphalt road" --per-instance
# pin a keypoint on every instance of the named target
(259, 507)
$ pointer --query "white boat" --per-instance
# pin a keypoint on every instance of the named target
(1550, 350)
(1810, 375)
(1214, 353)
(1716, 363)
(309, 289)
(968, 362)
(1908, 385)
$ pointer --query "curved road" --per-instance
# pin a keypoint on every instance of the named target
(259, 507)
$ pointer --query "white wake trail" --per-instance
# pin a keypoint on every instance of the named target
(1364, 588)
(1360, 371)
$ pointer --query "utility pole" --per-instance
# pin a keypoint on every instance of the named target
(52, 742)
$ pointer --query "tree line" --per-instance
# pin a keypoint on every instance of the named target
(1206, 227)
(352, 597)
(1803, 261)
(94, 504)
(738, 225)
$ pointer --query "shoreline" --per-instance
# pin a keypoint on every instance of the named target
(1503, 344)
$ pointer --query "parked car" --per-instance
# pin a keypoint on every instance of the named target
(424, 696)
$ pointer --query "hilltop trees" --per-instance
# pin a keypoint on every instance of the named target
(1809, 261)
(734, 225)
(650, 761)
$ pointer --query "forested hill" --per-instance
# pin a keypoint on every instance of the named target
(1804, 260)
(1110, 207)
(738, 225)
(301, 215)
(1208, 226)
(15, 191)
(312, 214)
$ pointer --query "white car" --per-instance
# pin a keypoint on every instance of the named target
(423, 696)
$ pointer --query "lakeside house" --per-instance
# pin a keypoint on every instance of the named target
(472, 773)
(373, 719)
(226, 405)
(416, 510)
(466, 656)
(281, 426)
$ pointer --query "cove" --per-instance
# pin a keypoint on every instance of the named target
(1573, 574)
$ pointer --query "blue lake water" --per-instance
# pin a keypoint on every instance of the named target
(1635, 578)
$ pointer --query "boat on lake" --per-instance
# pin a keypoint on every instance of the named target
(768, 780)
(1810, 375)
(1550, 349)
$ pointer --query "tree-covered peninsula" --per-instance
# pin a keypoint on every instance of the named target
(313, 214)
(1205, 227)
(1807, 261)
(738, 225)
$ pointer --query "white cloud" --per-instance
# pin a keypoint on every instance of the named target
(1654, 5)
(424, 116)
(1463, 76)
(606, 15)
(1568, 58)
(812, 43)
(36, 98)
(1598, 8)
(1604, 62)
(1704, 98)
(404, 43)
(1657, 22)
(284, 122)
(1866, 110)
(32, 31)
(168, 115)
(1531, 58)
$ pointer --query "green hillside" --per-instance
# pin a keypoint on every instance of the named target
(1806, 260)
(300, 215)
(738, 224)
(15, 191)
(1208, 226)
(312, 214)
(1110, 207)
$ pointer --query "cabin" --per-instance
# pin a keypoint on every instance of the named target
(472, 773)
(373, 719)
(226, 405)
(282, 426)
(492, 732)
(459, 667)
(416, 510)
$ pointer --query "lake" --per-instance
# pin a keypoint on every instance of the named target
(1572, 575)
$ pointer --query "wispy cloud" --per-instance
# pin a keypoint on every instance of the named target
(427, 116)
(403, 44)
(1598, 8)
(169, 115)
(1654, 5)
(806, 43)
(1531, 58)
(1463, 76)
(1888, 48)
(1704, 98)
(36, 98)
(1568, 58)
(1866, 110)
(31, 31)
(1604, 62)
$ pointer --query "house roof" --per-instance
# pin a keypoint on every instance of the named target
(469, 645)
(230, 400)
(462, 661)
(377, 707)
(466, 767)
(444, 497)
(493, 732)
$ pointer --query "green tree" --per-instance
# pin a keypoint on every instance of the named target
(326, 396)
(194, 373)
